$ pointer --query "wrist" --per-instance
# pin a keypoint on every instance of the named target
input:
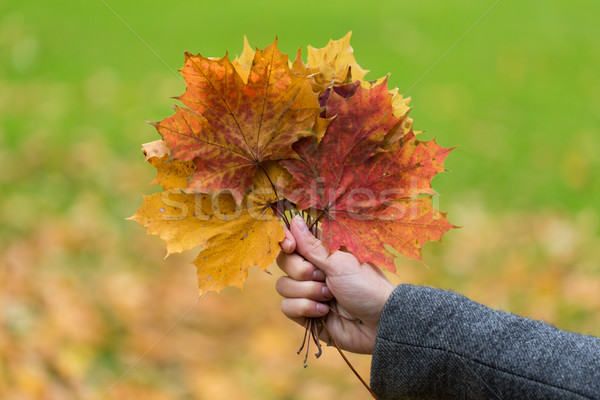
(385, 293)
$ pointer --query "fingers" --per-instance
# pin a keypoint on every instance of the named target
(290, 288)
(304, 288)
(288, 244)
(298, 268)
(299, 309)
(304, 296)
(307, 245)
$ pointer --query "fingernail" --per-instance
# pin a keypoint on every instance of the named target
(285, 245)
(318, 275)
(300, 224)
(326, 292)
(322, 308)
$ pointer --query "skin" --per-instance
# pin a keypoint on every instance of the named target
(315, 277)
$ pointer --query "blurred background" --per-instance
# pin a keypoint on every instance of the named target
(88, 307)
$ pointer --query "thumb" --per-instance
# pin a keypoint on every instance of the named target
(288, 244)
(308, 246)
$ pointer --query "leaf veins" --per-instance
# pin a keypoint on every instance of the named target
(367, 197)
(230, 127)
(234, 236)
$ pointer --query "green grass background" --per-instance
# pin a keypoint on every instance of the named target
(518, 91)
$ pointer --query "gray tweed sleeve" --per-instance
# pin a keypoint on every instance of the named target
(435, 344)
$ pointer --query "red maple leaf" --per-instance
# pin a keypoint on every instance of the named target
(364, 195)
(230, 126)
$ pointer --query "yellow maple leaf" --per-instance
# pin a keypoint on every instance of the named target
(400, 109)
(180, 219)
(171, 174)
(243, 63)
(335, 63)
(250, 239)
(235, 237)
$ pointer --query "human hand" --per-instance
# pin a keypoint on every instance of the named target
(356, 291)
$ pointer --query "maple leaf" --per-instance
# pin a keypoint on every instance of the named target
(171, 174)
(243, 63)
(299, 68)
(367, 198)
(400, 109)
(234, 236)
(230, 127)
(335, 63)
(180, 219)
(248, 239)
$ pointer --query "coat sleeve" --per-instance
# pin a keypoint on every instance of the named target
(435, 344)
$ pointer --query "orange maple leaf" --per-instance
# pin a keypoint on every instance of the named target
(230, 127)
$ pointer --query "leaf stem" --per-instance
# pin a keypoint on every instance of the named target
(307, 345)
(312, 325)
(281, 214)
(347, 361)
(315, 336)
(269, 178)
(277, 201)
(305, 335)
(316, 220)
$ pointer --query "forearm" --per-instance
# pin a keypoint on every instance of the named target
(437, 344)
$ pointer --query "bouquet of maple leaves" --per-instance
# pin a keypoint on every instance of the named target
(260, 139)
